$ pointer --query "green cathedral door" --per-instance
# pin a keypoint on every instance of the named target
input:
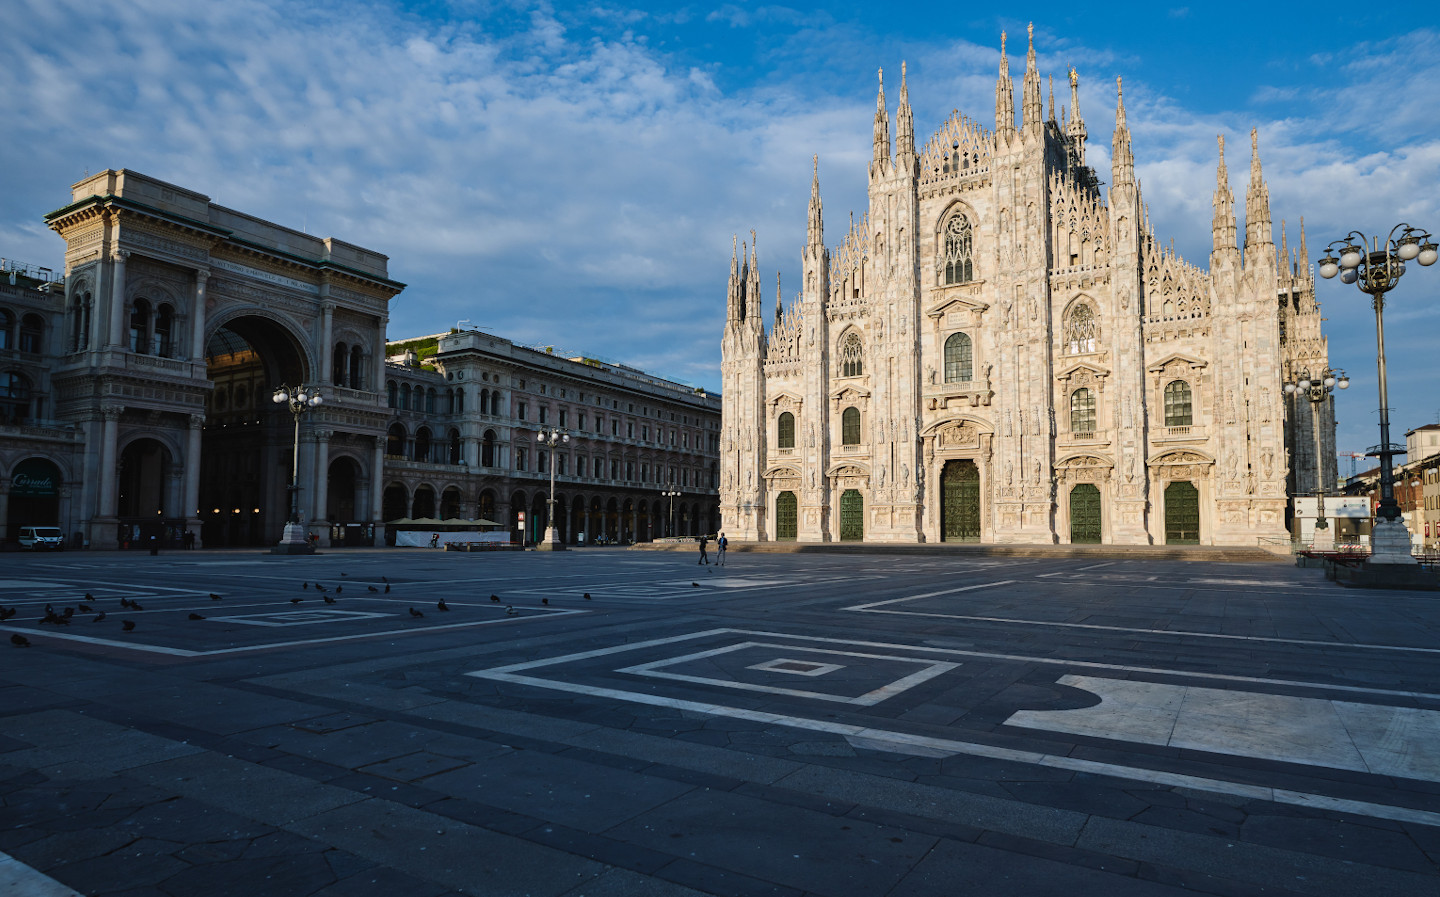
(960, 502)
(1182, 514)
(1085, 515)
(852, 516)
(787, 523)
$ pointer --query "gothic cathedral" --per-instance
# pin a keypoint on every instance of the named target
(998, 352)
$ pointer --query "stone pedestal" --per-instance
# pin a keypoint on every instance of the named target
(1324, 540)
(295, 541)
(1390, 543)
(551, 542)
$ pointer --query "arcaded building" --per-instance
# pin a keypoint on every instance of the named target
(1001, 350)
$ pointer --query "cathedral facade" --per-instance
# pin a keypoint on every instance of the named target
(999, 351)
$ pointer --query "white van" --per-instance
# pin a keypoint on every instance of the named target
(42, 538)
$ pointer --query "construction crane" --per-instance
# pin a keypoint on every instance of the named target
(1352, 456)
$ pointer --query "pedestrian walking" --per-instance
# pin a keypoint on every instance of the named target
(720, 545)
(704, 558)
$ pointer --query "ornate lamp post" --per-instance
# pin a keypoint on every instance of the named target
(300, 400)
(1317, 390)
(672, 494)
(1376, 272)
(552, 541)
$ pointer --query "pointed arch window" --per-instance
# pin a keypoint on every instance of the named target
(785, 431)
(959, 358)
(1178, 409)
(850, 426)
(1081, 330)
(852, 353)
(1082, 412)
(957, 262)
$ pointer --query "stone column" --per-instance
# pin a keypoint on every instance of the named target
(320, 511)
(109, 459)
(117, 298)
(306, 466)
(377, 489)
(327, 340)
(378, 384)
(197, 322)
(191, 506)
(5, 510)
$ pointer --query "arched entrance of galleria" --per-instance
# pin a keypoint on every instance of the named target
(248, 439)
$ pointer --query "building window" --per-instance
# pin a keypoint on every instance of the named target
(614, 427)
(629, 430)
(520, 410)
(785, 431)
(519, 459)
(614, 469)
(851, 353)
(850, 426)
(392, 393)
(959, 358)
(542, 461)
(544, 414)
(31, 330)
(959, 267)
(14, 398)
(1177, 404)
(1082, 412)
(1080, 330)
(563, 416)
(580, 421)
(561, 465)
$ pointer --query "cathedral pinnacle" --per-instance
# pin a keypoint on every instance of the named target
(1257, 200)
(1004, 98)
(1031, 112)
(777, 300)
(1052, 98)
(1075, 128)
(1222, 229)
(882, 127)
(1122, 161)
(817, 227)
(904, 120)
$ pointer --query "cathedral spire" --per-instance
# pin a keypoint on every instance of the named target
(1075, 129)
(1122, 161)
(1283, 259)
(817, 226)
(1031, 111)
(1051, 117)
(1004, 98)
(777, 300)
(1222, 228)
(1303, 266)
(904, 121)
(882, 128)
(1258, 229)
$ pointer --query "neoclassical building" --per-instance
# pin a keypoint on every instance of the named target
(136, 385)
(1001, 351)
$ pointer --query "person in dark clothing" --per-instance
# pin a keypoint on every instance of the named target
(720, 545)
(704, 558)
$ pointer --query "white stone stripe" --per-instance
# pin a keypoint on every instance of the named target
(903, 740)
(19, 880)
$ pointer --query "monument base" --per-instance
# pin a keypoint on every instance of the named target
(295, 541)
(551, 542)
(1390, 542)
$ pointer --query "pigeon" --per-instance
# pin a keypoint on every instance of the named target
(89, 597)
(372, 588)
(86, 609)
(387, 588)
(298, 600)
(6, 613)
(494, 599)
(339, 589)
(304, 585)
(695, 585)
(329, 600)
(510, 611)
(196, 617)
(545, 601)
(127, 625)
(383, 579)
(587, 596)
(99, 617)
(49, 609)
(343, 573)
(215, 597)
(415, 613)
(69, 612)
(19, 641)
(441, 605)
(320, 588)
(135, 605)
(125, 602)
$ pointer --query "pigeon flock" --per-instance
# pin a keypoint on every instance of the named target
(63, 616)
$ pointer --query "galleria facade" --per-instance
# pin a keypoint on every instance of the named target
(135, 396)
(998, 351)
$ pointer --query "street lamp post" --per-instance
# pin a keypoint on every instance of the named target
(672, 494)
(300, 400)
(552, 438)
(1317, 390)
(1376, 272)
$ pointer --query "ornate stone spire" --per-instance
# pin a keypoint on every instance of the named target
(777, 300)
(1122, 161)
(904, 120)
(1283, 259)
(1051, 117)
(1004, 98)
(1031, 110)
(882, 127)
(735, 304)
(816, 233)
(1075, 128)
(1303, 267)
(1258, 228)
(1222, 228)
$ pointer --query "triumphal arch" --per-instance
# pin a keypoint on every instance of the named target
(181, 319)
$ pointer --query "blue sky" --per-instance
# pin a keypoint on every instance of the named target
(572, 174)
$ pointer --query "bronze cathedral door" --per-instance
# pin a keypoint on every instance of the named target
(960, 502)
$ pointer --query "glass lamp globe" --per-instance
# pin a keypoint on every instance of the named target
(1350, 257)
(1409, 248)
(279, 396)
(1289, 388)
(1349, 275)
(1303, 384)
(1427, 254)
(1328, 267)
(1344, 383)
(316, 399)
(1329, 381)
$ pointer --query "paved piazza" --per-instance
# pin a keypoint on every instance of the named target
(803, 724)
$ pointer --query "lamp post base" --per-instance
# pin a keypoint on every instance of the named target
(295, 541)
(1323, 540)
(1390, 542)
(551, 542)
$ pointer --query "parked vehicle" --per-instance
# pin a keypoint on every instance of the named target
(42, 538)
